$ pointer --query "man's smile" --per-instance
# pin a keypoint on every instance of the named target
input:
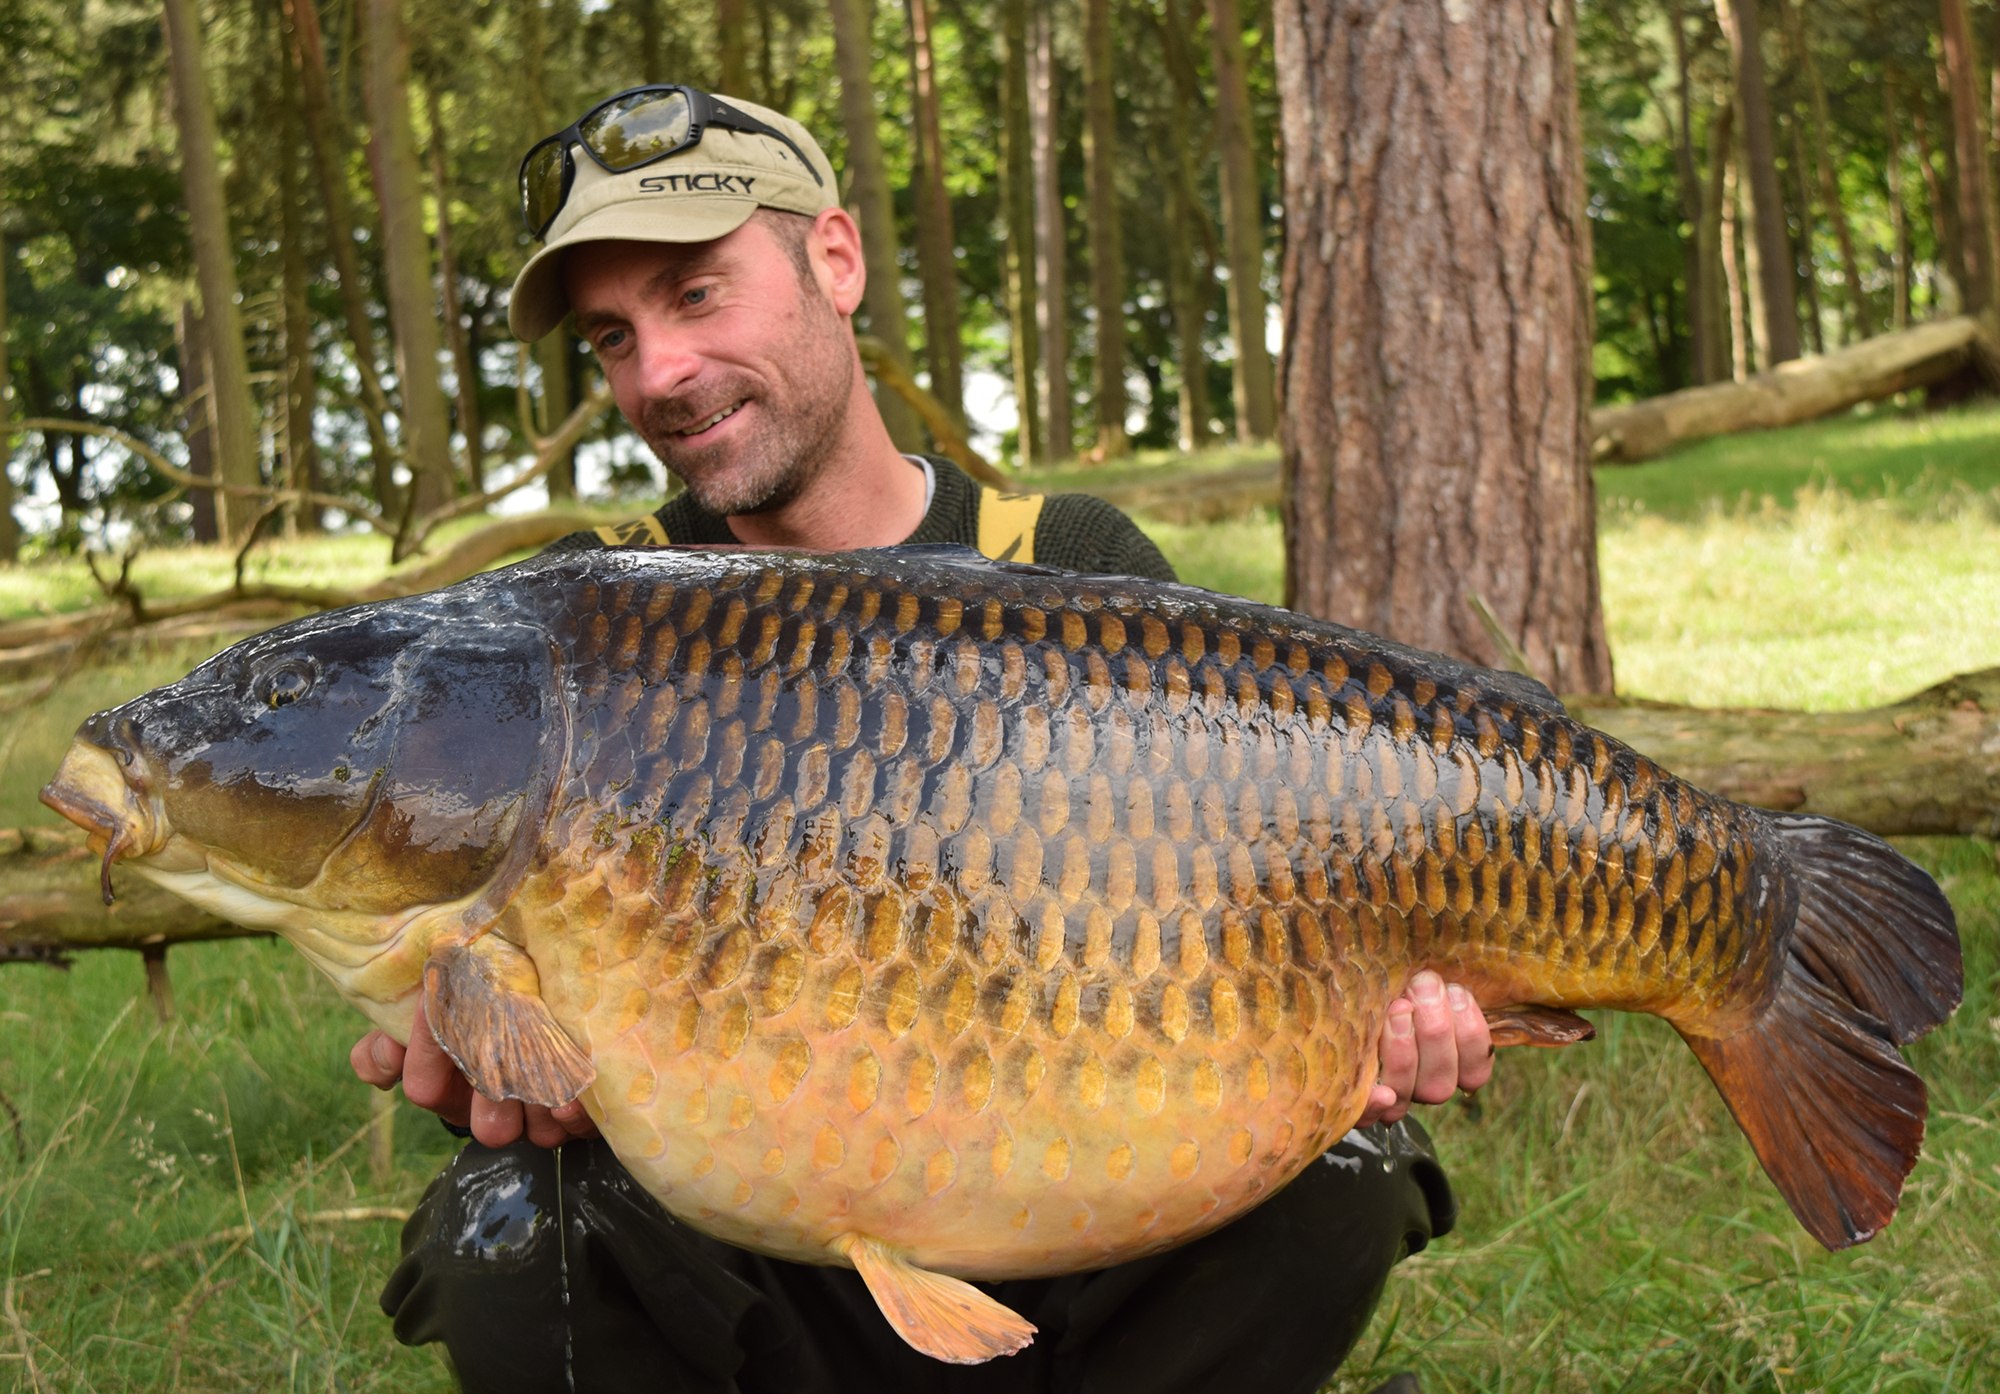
(704, 426)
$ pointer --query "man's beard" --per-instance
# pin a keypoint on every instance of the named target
(789, 443)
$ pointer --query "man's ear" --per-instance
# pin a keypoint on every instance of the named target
(837, 259)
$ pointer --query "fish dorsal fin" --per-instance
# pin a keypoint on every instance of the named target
(1537, 1026)
(484, 1003)
(945, 1318)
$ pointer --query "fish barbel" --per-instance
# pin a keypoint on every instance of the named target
(952, 919)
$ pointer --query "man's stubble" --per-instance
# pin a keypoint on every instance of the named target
(799, 419)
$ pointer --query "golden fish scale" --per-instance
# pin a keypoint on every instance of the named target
(1029, 931)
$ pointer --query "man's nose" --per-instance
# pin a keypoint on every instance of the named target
(667, 361)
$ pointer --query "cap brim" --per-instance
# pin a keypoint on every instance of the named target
(540, 303)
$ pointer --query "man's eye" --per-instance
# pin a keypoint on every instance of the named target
(696, 295)
(609, 340)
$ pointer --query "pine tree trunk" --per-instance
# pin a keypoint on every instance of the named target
(937, 243)
(1861, 323)
(406, 256)
(1017, 192)
(552, 353)
(308, 56)
(1190, 279)
(868, 200)
(1741, 349)
(1804, 258)
(1899, 218)
(1943, 207)
(301, 452)
(1436, 369)
(1703, 363)
(232, 412)
(10, 526)
(1051, 244)
(1107, 243)
(465, 368)
(1240, 158)
(191, 343)
(732, 40)
(1978, 228)
(1774, 301)
(1717, 276)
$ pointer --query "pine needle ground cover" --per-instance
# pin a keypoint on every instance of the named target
(192, 1206)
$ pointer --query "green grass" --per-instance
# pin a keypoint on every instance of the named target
(1615, 1233)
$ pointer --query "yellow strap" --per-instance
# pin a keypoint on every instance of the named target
(639, 532)
(1007, 524)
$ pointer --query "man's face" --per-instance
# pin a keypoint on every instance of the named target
(736, 370)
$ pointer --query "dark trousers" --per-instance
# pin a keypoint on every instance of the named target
(547, 1273)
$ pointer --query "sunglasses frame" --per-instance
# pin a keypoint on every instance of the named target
(704, 110)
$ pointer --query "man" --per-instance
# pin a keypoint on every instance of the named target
(699, 245)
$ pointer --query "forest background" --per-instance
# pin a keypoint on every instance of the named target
(1045, 170)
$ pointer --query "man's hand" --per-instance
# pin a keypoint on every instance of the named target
(431, 1080)
(1434, 1044)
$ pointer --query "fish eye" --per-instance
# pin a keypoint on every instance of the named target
(284, 683)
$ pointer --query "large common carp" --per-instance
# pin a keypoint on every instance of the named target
(943, 917)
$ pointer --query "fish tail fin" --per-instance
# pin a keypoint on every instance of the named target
(1816, 1082)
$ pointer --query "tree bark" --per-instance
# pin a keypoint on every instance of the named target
(1804, 260)
(732, 39)
(868, 200)
(1774, 304)
(1899, 218)
(1107, 243)
(1239, 155)
(1793, 392)
(301, 451)
(10, 526)
(1704, 362)
(1436, 370)
(191, 343)
(1861, 323)
(464, 366)
(1051, 245)
(937, 242)
(1740, 347)
(1017, 193)
(1943, 209)
(406, 256)
(1190, 285)
(1978, 226)
(232, 413)
(308, 53)
(553, 355)
(1717, 277)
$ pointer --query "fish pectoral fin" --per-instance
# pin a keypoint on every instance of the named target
(484, 1003)
(1530, 1025)
(945, 1318)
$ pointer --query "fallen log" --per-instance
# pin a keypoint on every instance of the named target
(51, 905)
(1929, 764)
(1802, 390)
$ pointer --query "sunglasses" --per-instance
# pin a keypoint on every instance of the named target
(629, 131)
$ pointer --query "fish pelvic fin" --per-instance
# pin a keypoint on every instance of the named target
(1530, 1025)
(484, 1004)
(1816, 1082)
(945, 1318)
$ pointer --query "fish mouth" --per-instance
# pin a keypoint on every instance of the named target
(90, 789)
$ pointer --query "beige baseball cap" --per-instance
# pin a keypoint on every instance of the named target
(704, 192)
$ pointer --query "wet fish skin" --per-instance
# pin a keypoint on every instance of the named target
(928, 914)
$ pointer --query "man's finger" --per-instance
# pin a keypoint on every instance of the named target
(377, 1059)
(1437, 1040)
(1475, 1040)
(1399, 1062)
(431, 1078)
(497, 1123)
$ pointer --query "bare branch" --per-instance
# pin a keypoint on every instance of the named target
(944, 429)
(548, 449)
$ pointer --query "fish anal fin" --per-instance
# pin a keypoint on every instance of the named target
(945, 1318)
(484, 1003)
(1529, 1025)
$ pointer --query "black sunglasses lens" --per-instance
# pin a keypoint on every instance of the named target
(542, 186)
(628, 131)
